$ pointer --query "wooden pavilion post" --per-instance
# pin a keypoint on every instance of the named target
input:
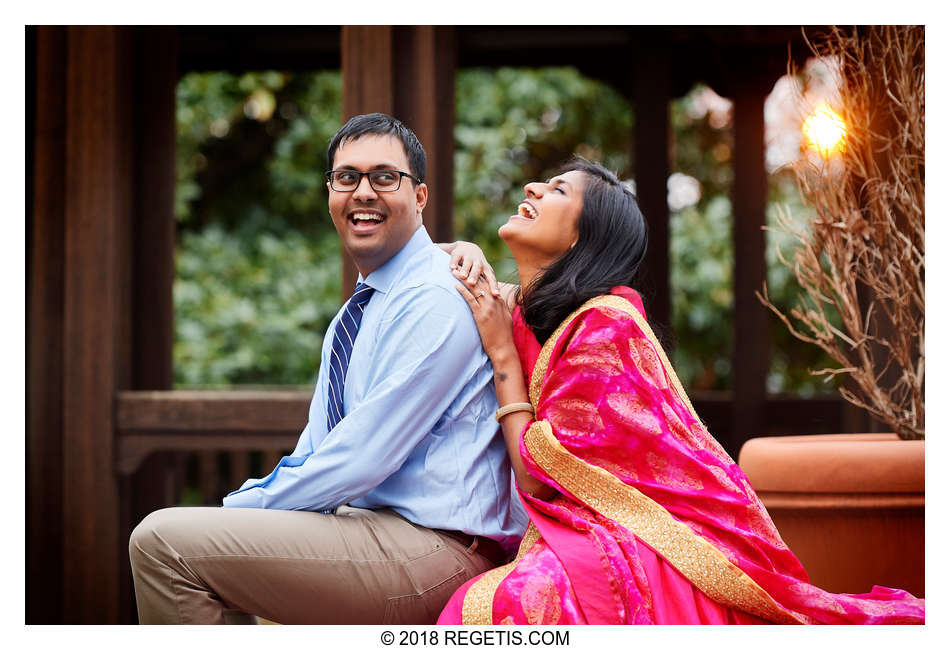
(97, 327)
(651, 157)
(424, 60)
(46, 102)
(751, 340)
(156, 78)
(408, 72)
(100, 305)
(153, 267)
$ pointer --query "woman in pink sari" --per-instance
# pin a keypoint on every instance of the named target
(638, 516)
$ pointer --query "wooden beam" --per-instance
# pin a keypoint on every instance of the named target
(407, 72)
(237, 421)
(367, 64)
(239, 48)
(156, 78)
(751, 338)
(208, 477)
(425, 100)
(269, 459)
(651, 169)
(46, 83)
(234, 410)
(239, 468)
(785, 415)
(97, 330)
(231, 421)
(519, 41)
(153, 264)
(134, 448)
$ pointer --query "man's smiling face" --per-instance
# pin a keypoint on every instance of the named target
(374, 226)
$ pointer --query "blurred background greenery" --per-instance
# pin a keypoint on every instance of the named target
(258, 262)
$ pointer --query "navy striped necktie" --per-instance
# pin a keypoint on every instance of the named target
(343, 337)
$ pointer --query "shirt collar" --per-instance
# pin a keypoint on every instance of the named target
(382, 278)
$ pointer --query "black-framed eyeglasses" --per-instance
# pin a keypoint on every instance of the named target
(381, 180)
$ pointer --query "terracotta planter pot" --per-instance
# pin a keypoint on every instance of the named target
(850, 506)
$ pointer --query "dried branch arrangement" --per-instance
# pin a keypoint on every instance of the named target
(862, 253)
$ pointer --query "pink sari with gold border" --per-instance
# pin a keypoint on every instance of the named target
(653, 522)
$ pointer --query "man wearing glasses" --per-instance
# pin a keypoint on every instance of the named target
(399, 489)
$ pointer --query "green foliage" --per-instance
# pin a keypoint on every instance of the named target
(257, 268)
(701, 255)
(514, 126)
(252, 310)
(701, 284)
(258, 264)
(255, 143)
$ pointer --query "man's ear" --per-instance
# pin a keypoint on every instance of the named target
(422, 197)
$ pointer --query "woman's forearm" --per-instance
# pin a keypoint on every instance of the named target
(493, 318)
(510, 388)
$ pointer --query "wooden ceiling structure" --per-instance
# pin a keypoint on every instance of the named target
(100, 245)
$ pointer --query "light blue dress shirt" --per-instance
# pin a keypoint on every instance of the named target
(419, 433)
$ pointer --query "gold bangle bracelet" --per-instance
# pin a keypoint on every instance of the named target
(511, 408)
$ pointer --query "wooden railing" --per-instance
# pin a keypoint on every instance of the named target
(220, 438)
(151, 421)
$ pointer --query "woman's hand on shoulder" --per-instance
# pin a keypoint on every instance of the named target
(468, 263)
(492, 318)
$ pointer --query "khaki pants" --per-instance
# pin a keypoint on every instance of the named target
(205, 565)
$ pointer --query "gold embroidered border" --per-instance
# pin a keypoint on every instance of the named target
(613, 302)
(477, 604)
(699, 561)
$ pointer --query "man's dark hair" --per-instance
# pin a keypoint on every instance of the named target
(611, 243)
(382, 124)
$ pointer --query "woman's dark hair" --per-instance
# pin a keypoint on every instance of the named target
(611, 243)
(381, 124)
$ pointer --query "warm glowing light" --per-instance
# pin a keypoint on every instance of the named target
(825, 130)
